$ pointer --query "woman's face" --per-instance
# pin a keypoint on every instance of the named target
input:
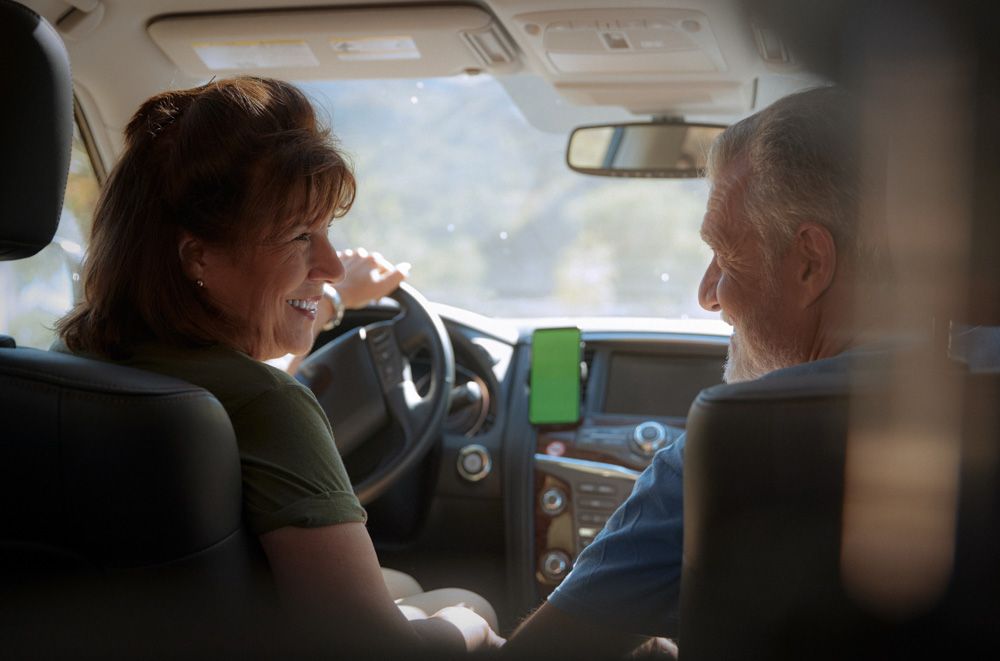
(275, 288)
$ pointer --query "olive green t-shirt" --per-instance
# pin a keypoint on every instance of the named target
(292, 472)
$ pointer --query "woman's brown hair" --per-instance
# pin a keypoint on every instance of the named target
(235, 163)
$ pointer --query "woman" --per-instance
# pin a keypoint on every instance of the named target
(368, 276)
(209, 254)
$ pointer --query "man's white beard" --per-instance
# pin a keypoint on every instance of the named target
(755, 350)
(748, 363)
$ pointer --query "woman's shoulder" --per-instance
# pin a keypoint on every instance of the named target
(233, 377)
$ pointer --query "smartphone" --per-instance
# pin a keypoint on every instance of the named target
(555, 376)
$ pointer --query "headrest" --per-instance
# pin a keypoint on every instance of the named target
(124, 467)
(36, 130)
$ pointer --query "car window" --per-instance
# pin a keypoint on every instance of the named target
(452, 178)
(35, 292)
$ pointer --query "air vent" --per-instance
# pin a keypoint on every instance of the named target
(490, 45)
(588, 361)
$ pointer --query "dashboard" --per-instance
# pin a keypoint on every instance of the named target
(560, 483)
(504, 507)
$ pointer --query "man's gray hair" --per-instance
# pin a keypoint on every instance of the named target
(803, 159)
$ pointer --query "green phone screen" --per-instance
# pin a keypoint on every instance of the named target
(555, 376)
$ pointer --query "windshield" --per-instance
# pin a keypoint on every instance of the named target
(453, 179)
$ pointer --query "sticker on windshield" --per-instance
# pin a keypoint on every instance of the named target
(375, 48)
(256, 54)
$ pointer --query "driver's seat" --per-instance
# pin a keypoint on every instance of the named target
(120, 524)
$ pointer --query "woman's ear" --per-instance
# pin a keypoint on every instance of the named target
(191, 251)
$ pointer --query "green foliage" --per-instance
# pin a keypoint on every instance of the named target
(453, 179)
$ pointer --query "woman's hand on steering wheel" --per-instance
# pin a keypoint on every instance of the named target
(368, 276)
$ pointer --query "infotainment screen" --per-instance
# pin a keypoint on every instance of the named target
(555, 376)
(644, 384)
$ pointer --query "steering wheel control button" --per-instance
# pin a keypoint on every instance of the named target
(648, 437)
(555, 565)
(386, 356)
(474, 462)
(553, 501)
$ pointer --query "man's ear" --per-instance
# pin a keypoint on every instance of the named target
(191, 251)
(817, 260)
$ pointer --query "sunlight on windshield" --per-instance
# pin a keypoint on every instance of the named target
(453, 179)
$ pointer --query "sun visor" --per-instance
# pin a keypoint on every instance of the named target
(337, 43)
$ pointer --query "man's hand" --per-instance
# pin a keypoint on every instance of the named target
(655, 648)
(551, 634)
(476, 631)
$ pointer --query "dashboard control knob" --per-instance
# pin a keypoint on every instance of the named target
(553, 501)
(474, 462)
(555, 565)
(648, 437)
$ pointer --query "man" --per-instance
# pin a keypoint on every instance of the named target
(789, 259)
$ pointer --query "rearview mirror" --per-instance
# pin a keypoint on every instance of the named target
(665, 150)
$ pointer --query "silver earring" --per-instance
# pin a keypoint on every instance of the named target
(199, 282)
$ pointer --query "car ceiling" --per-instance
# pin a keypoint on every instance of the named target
(718, 74)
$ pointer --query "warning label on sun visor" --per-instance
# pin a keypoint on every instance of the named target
(270, 54)
(375, 48)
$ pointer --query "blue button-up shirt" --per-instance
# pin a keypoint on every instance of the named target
(629, 577)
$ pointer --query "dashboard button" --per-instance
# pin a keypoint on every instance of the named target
(555, 565)
(553, 501)
(591, 517)
(474, 462)
(648, 437)
(598, 503)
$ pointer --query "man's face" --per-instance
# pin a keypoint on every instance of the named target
(737, 283)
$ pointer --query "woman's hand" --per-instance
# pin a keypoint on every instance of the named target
(368, 277)
(475, 630)
(329, 581)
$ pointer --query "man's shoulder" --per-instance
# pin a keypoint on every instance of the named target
(863, 358)
(867, 357)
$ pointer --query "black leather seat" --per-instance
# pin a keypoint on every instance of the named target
(764, 500)
(120, 497)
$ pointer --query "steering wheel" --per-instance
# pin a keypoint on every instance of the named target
(362, 380)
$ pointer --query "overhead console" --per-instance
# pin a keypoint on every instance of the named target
(674, 40)
(338, 43)
(676, 47)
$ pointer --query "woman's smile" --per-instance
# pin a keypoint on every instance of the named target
(306, 306)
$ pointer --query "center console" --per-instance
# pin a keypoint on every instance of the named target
(634, 402)
(582, 475)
